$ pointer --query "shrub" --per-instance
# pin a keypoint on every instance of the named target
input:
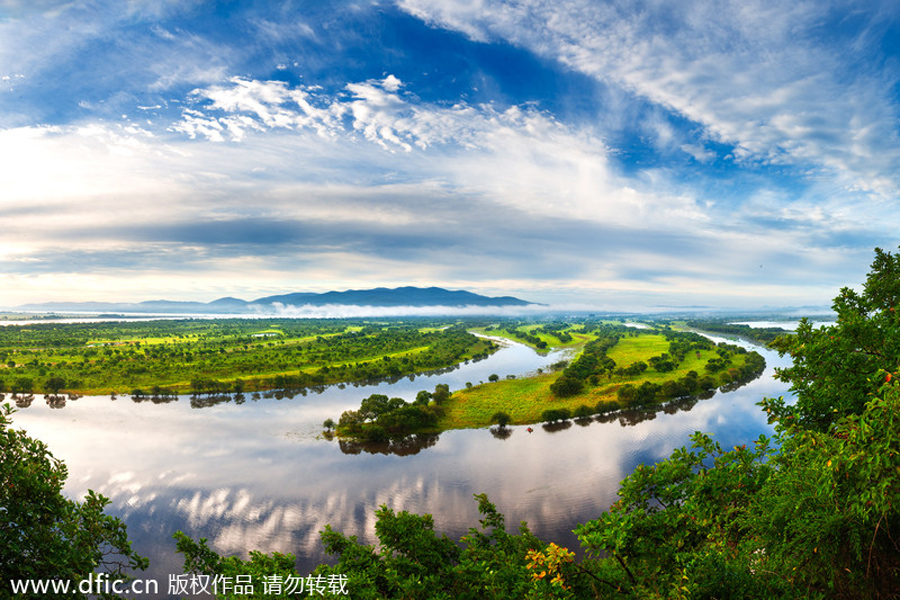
(553, 415)
(583, 412)
(566, 386)
(43, 534)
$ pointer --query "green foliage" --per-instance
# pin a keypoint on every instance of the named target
(663, 363)
(832, 507)
(812, 515)
(408, 419)
(552, 415)
(413, 561)
(380, 418)
(583, 412)
(604, 406)
(501, 418)
(632, 370)
(566, 386)
(441, 393)
(44, 535)
(835, 368)
(22, 385)
(677, 524)
(225, 356)
(378, 404)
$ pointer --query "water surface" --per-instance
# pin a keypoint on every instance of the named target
(258, 475)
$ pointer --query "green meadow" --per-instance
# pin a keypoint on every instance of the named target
(525, 399)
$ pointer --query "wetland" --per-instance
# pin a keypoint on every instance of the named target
(258, 474)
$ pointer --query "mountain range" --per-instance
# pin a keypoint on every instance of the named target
(378, 297)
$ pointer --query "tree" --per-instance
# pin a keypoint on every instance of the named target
(54, 384)
(43, 534)
(441, 393)
(811, 515)
(501, 418)
(566, 386)
(351, 421)
(834, 368)
(552, 415)
(413, 561)
(22, 385)
(378, 404)
(583, 412)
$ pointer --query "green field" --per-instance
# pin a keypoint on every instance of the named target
(525, 399)
(632, 349)
(535, 334)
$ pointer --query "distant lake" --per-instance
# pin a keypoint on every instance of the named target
(257, 475)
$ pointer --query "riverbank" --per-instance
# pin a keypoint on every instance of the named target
(173, 462)
(617, 369)
(221, 356)
(525, 400)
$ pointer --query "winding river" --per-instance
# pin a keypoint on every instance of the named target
(258, 475)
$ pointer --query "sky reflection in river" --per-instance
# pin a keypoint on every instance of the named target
(257, 476)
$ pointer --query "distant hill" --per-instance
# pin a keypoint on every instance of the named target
(402, 296)
(379, 297)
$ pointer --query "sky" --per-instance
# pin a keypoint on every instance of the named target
(614, 155)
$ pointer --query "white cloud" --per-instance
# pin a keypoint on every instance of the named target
(259, 105)
(520, 157)
(753, 74)
(524, 201)
(698, 152)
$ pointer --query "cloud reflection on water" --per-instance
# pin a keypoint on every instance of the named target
(255, 476)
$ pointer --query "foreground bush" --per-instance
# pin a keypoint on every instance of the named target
(43, 534)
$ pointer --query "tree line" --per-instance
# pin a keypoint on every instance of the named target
(217, 356)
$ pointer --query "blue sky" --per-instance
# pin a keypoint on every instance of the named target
(613, 155)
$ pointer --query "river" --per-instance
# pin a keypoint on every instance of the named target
(258, 475)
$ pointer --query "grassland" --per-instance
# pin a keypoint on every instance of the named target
(537, 335)
(525, 399)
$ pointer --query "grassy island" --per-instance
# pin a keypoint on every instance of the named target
(618, 367)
